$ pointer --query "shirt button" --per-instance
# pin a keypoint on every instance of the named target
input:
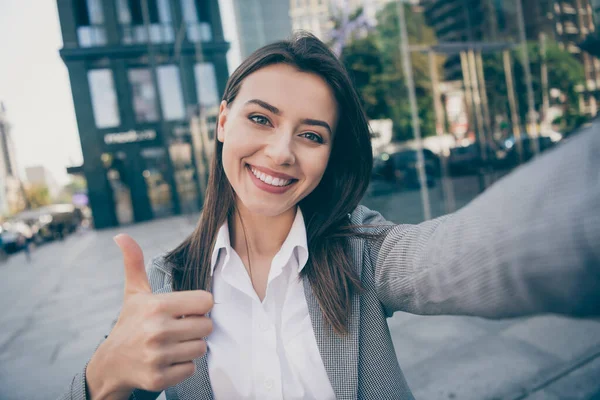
(269, 384)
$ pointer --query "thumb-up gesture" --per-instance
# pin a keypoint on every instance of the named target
(151, 347)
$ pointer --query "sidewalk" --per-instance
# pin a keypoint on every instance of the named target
(54, 311)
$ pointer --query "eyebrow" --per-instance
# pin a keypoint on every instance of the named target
(277, 111)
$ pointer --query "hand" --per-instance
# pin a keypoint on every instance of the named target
(151, 346)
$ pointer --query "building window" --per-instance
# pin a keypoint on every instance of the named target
(104, 98)
(144, 95)
(171, 96)
(206, 84)
(131, 19)
(196, 15)
(89, 18)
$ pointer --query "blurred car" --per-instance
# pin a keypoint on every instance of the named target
(466, 160)
(12, 238)
(50, 222)
(401, 167)
(65, 218)
(38, 222)
(512, 153)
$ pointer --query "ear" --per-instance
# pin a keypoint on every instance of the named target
(223, 110)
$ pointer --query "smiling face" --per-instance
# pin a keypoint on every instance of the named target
(277, 137)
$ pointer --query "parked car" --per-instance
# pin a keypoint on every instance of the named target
(51, 222)
(512, 153)
(401, 167)
(12, 238)
(467, 160)
(38, 222)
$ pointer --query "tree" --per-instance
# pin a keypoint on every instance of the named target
(37, 196)
(565, 72)
(375, 64)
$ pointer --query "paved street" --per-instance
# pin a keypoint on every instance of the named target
(55, 309)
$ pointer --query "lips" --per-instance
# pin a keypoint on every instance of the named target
(270, 181)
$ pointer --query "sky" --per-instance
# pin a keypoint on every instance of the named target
(35, 89)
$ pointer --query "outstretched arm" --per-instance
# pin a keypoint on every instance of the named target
(529, 244)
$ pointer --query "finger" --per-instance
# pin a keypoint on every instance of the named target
(186, 351)
(136, 280)
(190, 328)
(187, 302)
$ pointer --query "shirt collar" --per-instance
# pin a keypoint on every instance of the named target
(296, 239)
(222, 242)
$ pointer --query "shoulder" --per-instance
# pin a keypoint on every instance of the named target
(365, 216)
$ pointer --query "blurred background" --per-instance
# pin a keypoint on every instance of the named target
(107, 115)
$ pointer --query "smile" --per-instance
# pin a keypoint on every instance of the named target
(268, 182)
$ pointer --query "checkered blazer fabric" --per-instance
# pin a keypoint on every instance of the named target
(529, 244)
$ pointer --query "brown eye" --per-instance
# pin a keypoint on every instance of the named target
(259, 119)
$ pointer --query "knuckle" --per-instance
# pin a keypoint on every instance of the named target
(156, 306)
(155, 335)
(156, 381)
(152, 358)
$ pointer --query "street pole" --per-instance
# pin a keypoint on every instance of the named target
(484, 99)
(481, 135)
(464, 65)
(406, 62)
(447, 188)
(544, 74)
(531, 114)
(512, 103)
(475, 122)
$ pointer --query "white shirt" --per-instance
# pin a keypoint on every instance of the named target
(264, 350)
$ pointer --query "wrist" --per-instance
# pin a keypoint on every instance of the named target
(99, 384)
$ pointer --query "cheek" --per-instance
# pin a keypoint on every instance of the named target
(315, 168)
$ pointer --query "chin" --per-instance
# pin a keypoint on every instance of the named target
(265, 208)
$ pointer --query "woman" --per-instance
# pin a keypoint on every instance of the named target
(303, 278)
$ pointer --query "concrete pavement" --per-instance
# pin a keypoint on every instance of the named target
(55, 310)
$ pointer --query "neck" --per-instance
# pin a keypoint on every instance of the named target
(265, 234)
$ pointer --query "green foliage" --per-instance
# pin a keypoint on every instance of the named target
(37, 196)
(375, 64)
(565, 72)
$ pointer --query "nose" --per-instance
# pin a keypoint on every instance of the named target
(279, 149)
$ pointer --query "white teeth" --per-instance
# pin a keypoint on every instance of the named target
(270, 180)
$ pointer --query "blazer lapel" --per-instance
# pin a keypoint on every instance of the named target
(339, 354)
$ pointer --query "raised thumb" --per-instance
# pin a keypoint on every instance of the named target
(136, 279)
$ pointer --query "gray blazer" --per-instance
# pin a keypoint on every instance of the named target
(529, 244)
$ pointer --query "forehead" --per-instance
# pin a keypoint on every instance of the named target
(297, 94)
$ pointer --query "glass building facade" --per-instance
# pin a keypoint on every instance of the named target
(139, 71)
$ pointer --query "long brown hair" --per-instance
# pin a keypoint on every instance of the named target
(326, 210)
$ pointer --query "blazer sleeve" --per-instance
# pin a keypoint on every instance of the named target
(78, 389)
(529, 244)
